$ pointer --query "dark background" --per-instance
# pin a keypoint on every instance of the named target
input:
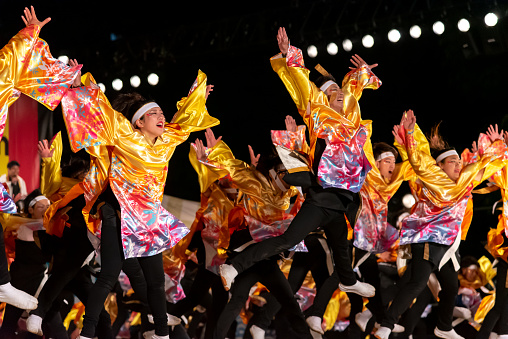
(457, 78)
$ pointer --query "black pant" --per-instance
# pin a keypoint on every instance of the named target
(111, 264)
(314, 261)
(420, 270)
(499, 313)
(308, 219)
(266, 272)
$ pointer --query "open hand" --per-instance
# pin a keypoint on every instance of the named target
(200, 150)
(408, 120)
(31, 19)
(291, 124)
(43, 149)
(283, 41)
(494, 134)
(209, 89)
(254, 159)
(397, 131)
(359, 62)
(211, 141)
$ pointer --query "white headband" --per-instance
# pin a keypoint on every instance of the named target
(327, 84)
(446, 154)
(139, 113)
(385, 155)
(36, 199)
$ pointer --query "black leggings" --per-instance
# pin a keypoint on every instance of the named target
(268, 273)
(111, 264)
(308, 219)
(420, 270)
(499, 313)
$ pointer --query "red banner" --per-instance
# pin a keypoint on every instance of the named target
(23, 139)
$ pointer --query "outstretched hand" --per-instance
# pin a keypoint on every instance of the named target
(44, 150)
(209, 89)
(494, 134)
(408, 120)
(254, 159)
(211, 141)
(200, 150)
(291, 124)
(77, 80)
(474, 147)
(283, 41)
(359, 62)
(397, 131)
(31, 19)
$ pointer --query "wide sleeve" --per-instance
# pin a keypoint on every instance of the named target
(27, 66)
(207, 175)
(51, 174)
(294, 141)
(295, 77)
(192, 114)
(359, 79)
(90, 119)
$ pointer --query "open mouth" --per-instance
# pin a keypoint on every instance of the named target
(160, 124)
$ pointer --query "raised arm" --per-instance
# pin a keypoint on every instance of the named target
(51, 174)
(292, 138)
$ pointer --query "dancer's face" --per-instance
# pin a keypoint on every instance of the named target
(37, 211)
(470, 273)
(452, 166)
(386, 167)
(152, 123)
(336, 98)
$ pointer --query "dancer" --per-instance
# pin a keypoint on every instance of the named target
(335, 127)
(265, 199)
(136, 169)
(433, 228)
(44, 84)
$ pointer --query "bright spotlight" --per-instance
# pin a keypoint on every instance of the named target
(490, 19)
(408, 200)
(394, 35)
(438, 27)
(312, 51)
(117, 84)
(102, 87)
(368, 41)
(135, 81)
(64, 59)
(153, 79)
(332, 48)
(463, 25)
(347, 45)
(415, 31)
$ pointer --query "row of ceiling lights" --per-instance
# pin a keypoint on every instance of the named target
(394, 35)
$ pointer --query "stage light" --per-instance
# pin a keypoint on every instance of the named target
(415, 31)
(347, 45)
(408, 200)
(463, 25)
(153, 79)
(394, 35)
(332, 48)
(64, 59)
(368, 41)
(490, 19)
(117, 84)
(438, 27)
(312, 51)
(135, 81)
(102, 87)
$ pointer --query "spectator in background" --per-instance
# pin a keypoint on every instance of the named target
(15, 183)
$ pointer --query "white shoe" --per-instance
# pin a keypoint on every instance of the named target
(315, 335)
(34, 324)
(362, 319)
(148, 334)
(383, 333)
(398, 328)
(462, 312)
(257, 332)
(83, 337)
(447, 334)
(360, 288)
(315, 324)
(502, 336)
(227, 275)
(493, 335)
(17, 298)
(172, 320)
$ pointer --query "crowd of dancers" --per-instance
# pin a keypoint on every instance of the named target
(100, 224)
